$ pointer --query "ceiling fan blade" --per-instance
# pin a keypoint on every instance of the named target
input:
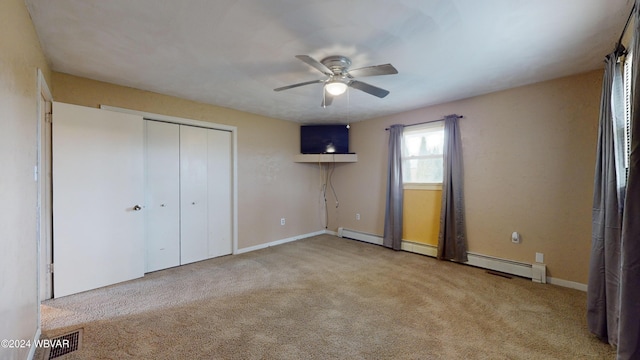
(298, 84)
(369, 89)
(316, 64)
(386, 69)
(327, 99)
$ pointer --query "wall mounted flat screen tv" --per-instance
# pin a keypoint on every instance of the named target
(324, 139)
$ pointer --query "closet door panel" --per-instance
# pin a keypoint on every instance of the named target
(219, 192)
(193, 193)
(162, 200)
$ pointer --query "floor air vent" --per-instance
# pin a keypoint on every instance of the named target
(63, 345)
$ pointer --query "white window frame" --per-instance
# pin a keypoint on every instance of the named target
(627, 79)
(423, 128)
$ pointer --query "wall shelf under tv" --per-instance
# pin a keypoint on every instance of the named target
(325, 158)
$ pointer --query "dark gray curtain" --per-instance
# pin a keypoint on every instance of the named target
(604, 268)
(452, 239)
(393, 210)
(629, 329)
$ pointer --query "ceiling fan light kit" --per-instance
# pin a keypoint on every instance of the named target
(335, 88)
(339, 78)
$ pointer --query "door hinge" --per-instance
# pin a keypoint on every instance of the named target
(48, 118)
(50, 268)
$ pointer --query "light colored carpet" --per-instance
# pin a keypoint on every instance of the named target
(326, 298)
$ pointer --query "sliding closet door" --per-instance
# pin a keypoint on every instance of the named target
(193, 166)
(98, 225)
(193, 193)
(162, 195)
(219, 192)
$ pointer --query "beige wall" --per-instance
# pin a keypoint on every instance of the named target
(528, 152)
(270, 184)
(529, 159)
(20, 57)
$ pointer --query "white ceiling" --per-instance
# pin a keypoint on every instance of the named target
(233, 53)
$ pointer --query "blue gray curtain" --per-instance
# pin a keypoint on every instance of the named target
(613, 297)
(629, 328)
(393, 210)
(604, 268)
(452, 238)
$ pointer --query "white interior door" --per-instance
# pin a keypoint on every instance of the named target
(193, 194)
(162, 195)
(97, 192)
(219, 180)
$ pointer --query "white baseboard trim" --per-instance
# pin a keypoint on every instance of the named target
(359, 235)
(478, 260)
(279, 242)
(36, 338)
(567, 284)
(497, 264)
(474, 259)
(423, 249)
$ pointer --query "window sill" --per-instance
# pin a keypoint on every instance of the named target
(418, 186)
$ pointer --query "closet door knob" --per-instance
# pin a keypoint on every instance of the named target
(137, 208)
(162, 205)
(193, 203)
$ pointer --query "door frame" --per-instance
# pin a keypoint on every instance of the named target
(209, 125)
(44, 209)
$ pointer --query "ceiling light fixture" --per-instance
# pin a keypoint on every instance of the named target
(335, 87)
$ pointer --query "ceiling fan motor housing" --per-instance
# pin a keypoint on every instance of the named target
(337, 64)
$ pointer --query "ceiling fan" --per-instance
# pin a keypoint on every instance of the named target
(339, 77)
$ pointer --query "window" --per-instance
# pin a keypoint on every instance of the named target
(422, 150)
(627, 109)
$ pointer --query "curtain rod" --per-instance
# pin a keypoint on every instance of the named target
(619, 47)
(425, 122)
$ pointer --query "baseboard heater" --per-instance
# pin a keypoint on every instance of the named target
(535, 272)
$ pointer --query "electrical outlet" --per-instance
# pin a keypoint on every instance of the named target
(540, 258)
(357, 216)
(282, 221)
